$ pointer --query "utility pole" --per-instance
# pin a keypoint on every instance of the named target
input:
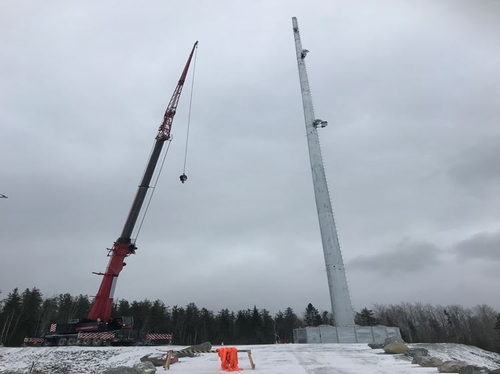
(343, 314)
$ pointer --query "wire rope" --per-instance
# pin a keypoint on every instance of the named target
(153, 188)
(189, 112)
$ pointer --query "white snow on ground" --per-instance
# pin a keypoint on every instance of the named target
(276, 359)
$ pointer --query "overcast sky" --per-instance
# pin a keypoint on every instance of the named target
(411, 91)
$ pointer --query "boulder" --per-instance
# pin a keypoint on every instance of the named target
(122, 370)
(145, 367)
(427, 361)
(452, 366)
(393, 339)
(396, 348)
(471, 369)
(414, 352)
(139, 368)
(376, 345)
(200, 347)
(156, 360)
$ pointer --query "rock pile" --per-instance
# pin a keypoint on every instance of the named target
(420, 356)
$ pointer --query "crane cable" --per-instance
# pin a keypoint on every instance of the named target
(153, 188)
(183, 177)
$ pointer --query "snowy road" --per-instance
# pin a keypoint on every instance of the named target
(332, 359)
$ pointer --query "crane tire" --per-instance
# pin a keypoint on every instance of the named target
(97, 342)
(72, 341)
(87, 341)
(62, 342)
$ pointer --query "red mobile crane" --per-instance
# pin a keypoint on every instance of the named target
(99, 328)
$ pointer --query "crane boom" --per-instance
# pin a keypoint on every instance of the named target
(123, 247)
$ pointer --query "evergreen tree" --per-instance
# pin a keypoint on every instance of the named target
(31, 316)
(291, 322)
(278, 326)
(48, 313)
(140, 311)
(284, 324)
(224, 322)
(255, 327)
(311, 316)
(326, 318)
(366, 318)
(10, 317)
(65, 308)
(81, 306)
(178, 324)
(244, 329)
(158, 317)
(267, 331)
(121, 308)
(193, 324)
(207, 331)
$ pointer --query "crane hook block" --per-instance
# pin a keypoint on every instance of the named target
(183, 178)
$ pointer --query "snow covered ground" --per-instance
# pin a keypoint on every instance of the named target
(276, 359)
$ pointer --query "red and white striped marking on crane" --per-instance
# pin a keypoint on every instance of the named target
(96, 335)
(159, 337)
(36, 341)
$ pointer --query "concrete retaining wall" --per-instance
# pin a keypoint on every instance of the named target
(355, 334)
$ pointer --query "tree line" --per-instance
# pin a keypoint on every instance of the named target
(425, 323)
(28, 314)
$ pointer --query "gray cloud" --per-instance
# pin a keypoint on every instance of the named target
(484, 245)
(477, 169)
(407, 257)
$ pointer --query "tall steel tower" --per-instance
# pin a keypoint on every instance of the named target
(343, 314)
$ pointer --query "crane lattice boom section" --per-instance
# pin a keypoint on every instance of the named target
(166, 126)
